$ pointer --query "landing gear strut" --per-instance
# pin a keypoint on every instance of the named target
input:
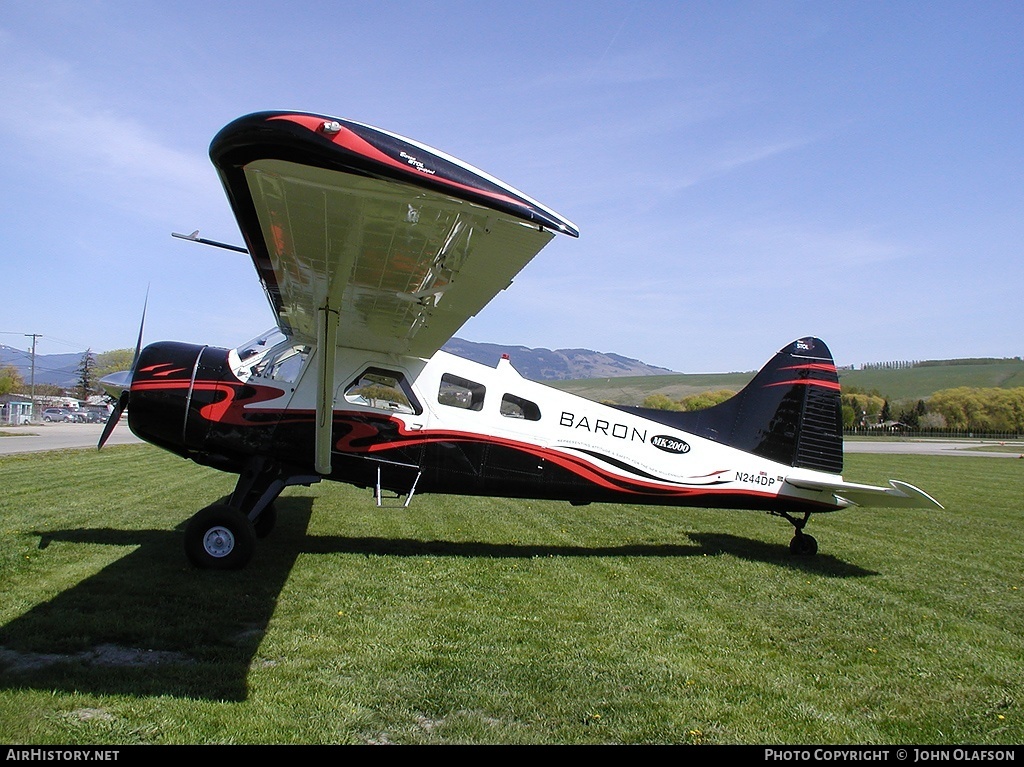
(223, 535)
(802, 545)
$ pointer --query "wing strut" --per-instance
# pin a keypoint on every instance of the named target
(327, 347)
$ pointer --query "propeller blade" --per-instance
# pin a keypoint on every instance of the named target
(121, 383)
(142, 324)
(115, 416)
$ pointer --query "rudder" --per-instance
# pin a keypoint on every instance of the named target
(791, 412)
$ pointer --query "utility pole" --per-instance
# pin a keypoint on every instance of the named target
(33, 336)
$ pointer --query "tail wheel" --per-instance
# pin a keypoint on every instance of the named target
(803, 545)
(219, 538)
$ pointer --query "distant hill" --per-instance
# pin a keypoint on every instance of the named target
(554, 365)
(535, 364)
(924, 379)
(58, 369)
(908, 383)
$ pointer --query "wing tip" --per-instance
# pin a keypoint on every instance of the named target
(910, 491)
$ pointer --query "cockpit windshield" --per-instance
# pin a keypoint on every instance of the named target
(260, 345)
(271, 356)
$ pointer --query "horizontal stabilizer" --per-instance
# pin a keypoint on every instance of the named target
(897, 495)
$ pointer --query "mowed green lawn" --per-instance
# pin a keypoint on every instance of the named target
(461, 620)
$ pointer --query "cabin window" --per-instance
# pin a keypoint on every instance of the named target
(517, 407)
(461, 393)
(383, 390)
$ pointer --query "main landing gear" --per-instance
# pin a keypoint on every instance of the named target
(220, 537)
(802, 545)
(223, 535)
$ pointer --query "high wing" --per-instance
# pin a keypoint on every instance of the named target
(364, 238)
(391, 243)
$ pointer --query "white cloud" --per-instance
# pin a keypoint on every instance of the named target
(51, 128)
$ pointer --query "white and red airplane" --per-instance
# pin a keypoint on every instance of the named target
(373, 250)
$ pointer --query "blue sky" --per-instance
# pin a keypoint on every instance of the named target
(742, 173)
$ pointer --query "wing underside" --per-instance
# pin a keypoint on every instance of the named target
(402, 242)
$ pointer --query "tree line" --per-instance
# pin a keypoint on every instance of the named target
(904, 364)
(962, 408)
(91, 368)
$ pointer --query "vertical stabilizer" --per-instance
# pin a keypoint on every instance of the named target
(790, 412)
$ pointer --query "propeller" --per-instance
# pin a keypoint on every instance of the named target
(118, 385)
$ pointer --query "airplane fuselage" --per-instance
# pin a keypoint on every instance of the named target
(443, 425)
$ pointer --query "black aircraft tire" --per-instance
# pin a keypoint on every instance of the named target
(219, 538)
(265, 522)
(803, 545)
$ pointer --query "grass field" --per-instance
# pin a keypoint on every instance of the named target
(461, 620)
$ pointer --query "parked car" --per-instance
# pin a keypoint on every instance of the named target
(63, 414)
(94, 416)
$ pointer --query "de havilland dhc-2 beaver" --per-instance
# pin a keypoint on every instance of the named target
(373, 250)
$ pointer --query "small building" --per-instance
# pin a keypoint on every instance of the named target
(15, 410)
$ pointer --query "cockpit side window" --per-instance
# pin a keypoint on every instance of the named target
(383, 390)
(461, 393)
(517, 407)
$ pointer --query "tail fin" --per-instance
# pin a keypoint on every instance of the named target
(790, 412)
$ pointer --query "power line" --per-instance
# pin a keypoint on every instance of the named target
(34, 337)
(63, 341)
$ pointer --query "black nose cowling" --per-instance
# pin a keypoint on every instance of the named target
(161, 392)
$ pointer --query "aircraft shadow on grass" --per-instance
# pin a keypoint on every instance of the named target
(148, 625)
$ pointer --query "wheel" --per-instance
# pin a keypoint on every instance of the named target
(265, 522)
(219, 538)
(48, 419)
(803, 545)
